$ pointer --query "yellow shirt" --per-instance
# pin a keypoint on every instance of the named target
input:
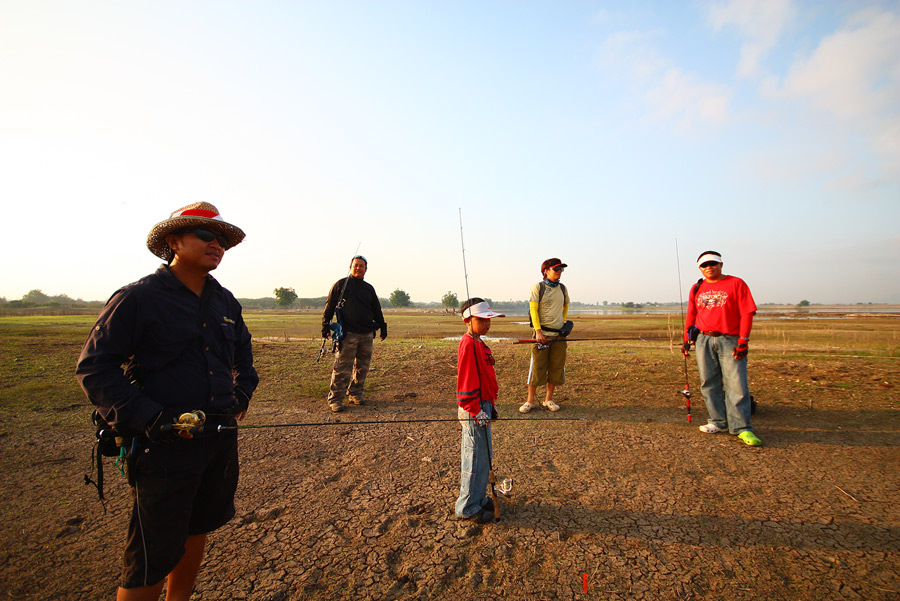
(552, 310)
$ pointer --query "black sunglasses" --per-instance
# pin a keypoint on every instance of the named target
(708, 264)
(558, 269)
(207, 236)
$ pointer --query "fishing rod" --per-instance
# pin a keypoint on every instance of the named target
(492, 480)
(337, 328)
(385, 422)
(487, 434)
(463, 244)
(686, 393)
(552, 340)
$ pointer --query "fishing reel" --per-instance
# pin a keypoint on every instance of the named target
(189, 421)
(186, 424)
(505, 487)
(686, 393)
(322, 351)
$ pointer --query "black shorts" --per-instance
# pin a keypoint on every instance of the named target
(182, 488)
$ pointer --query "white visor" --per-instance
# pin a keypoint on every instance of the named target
(482, 310)
(706, 258)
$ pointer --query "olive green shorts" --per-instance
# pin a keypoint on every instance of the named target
(548, 364)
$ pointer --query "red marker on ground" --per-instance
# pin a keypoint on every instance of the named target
(584, 579)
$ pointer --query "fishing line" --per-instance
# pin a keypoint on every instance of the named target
(395, 421)
(347, 280)
(487, 434)
(463, 244)
(687, 385)
(338, 333)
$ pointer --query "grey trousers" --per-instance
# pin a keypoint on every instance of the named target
(351, 366)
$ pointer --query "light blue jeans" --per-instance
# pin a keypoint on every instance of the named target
(723, 382)
(475, 467)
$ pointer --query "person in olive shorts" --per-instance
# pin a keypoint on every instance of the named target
(174, 342)
(549, 307)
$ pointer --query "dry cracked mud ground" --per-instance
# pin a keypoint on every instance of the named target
(632, 503)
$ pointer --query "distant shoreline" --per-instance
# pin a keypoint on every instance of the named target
(763, 309)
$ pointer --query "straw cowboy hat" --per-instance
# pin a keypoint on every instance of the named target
(196, 215)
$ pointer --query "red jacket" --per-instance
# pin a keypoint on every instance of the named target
(475, 377)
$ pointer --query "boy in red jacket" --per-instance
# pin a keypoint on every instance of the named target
(476, 391)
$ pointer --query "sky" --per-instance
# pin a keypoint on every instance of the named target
(623, 137)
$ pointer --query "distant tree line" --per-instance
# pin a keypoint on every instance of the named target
(287, 298)
(36, 299)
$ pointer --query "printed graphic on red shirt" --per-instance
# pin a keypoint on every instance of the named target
(712, 298)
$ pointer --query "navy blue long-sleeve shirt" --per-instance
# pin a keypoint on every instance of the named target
(149, 350)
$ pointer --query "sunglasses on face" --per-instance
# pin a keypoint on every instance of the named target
(208, 236)
(558, 269)
(709, 264)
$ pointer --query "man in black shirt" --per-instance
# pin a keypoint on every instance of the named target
(356, 306)
(174, 342)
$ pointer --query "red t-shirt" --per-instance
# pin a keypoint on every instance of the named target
(475, 377)
(718, 306)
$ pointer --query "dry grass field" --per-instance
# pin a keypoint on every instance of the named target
(631, 503)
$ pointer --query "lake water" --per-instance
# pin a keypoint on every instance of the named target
(893, 309)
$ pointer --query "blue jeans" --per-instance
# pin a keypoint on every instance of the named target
(475, 468)
(723, 382)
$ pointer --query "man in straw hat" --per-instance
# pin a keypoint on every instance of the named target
(171, 343)
(719, 316)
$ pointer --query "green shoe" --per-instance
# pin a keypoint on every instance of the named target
(750, 438)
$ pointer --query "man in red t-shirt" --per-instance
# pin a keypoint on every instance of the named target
(720, 316)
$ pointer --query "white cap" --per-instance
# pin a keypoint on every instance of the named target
(482, 310)
(707, 257)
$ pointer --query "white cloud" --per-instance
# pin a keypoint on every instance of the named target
(632, 53)
(685, 100)
(669, 93)
(846, 88)
(854, 74)
(759, 21)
